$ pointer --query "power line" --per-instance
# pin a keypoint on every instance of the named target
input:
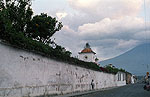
(145, 18)
(146, 33)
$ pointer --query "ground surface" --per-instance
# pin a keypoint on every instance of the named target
(135, 90)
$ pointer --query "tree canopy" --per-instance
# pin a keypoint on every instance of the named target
(42, 27)
(21, 29)
(16, 16)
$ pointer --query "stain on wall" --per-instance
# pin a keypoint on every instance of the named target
(25, 73)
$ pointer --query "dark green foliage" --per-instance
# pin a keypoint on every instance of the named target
(20, 41)
(14, 16)
(114, 70)
(2, 28)
(18, 28)
(68, 53)
(122, 70)
(42, 27)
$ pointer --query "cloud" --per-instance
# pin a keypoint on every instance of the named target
(110, 26)
(123, 44)
(122, 28)
(108, 37)
(112, 37)
(92, 11)
(61, 15)
(109, 48)
(107, 8)
(67, 29)
(143, 35)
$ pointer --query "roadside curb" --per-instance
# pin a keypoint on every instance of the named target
(84, 92)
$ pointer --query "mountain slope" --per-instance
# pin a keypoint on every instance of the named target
(135, 61)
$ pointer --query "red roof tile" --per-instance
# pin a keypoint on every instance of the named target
(87, 50)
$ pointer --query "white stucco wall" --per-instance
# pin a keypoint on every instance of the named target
(90, 57)
(25, 73)
(122, 80)
(132, 79)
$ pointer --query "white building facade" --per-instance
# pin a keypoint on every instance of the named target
(87, 54)
(121, 78)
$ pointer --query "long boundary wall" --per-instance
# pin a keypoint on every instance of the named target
(24, 73)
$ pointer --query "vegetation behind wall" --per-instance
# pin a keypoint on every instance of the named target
(21, 29)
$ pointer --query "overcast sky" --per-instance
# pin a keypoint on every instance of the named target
(112, 27)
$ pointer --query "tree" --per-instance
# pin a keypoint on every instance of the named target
(111, 69)
(42, 27)
(68, 53)
(61, 50)
(1, 4)
(14, 16)
(1, 26)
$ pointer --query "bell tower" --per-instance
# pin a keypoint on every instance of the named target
(87, 54)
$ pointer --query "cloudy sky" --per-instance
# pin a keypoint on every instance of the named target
(112, 27)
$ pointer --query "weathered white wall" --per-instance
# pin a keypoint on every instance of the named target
(26, 73)
(121, 79)
(90, 57)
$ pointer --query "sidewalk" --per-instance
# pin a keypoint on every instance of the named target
(83, 93)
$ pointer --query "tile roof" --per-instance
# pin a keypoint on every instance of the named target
(87, 50)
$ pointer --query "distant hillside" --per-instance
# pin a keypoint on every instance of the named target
(134, 61)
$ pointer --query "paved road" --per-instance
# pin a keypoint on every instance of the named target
(135, 90)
